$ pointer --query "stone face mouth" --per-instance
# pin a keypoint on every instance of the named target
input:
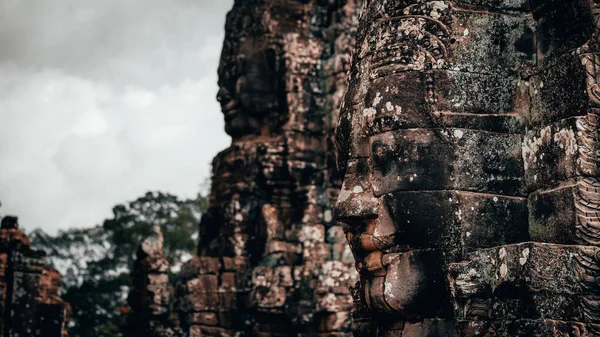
(230, 110)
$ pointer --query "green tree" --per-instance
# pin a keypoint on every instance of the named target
(95, 261)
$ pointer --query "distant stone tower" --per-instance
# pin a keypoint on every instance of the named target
(150, 293)
(30, 305)
(271, 259)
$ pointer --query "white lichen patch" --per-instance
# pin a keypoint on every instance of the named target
(438, 7)
(503, 270)
(344, 193)
(532, 146)
(377, 99)
(525, 256)
(375, 188)
(328, 216)
(389, 106)
(502, 253)
(328, 302)
(369, 112)
(566, 141)
(312, 233)
(239, 244)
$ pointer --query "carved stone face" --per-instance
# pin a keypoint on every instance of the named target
(250, 89)
(431, 148)
(400, 264)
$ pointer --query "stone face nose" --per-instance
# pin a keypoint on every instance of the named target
(223, 95)
(355, 205)
(356, 201)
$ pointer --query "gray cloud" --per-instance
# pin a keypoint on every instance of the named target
(101, 100)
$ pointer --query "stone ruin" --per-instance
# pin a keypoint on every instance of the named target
(151, 295)
(271, 259)
(469, 142)
(29, 302)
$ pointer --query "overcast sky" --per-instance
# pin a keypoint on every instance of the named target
(103, 100)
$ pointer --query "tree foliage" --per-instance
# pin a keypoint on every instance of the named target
(95, 261)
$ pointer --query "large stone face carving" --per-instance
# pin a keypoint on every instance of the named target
(29, 300)
(468, 141)
(271, 260)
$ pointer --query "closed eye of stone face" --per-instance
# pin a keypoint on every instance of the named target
(441, 159)
(382, 154)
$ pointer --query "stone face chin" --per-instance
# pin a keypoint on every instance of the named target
(468, 137)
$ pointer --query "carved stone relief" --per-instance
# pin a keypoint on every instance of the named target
(468, 140)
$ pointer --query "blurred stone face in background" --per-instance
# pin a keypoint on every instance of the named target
(250, 85)
(271, 259)
(252, 98)
(251, 72)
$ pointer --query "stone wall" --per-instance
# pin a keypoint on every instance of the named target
(271, 259)
(468, 140)
(30, 304)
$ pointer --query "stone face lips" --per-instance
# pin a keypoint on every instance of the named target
(271, 259)
(468, 139)
(29, 289)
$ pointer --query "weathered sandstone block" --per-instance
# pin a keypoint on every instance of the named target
(29, 303)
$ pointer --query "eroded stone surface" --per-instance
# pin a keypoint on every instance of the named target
(468, 139)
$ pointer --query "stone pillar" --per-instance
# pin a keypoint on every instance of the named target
(272, 261)
(29, 289)
(150, 294)
(468, 142)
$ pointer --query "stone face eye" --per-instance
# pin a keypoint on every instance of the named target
(237, 68)
(382, 154)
